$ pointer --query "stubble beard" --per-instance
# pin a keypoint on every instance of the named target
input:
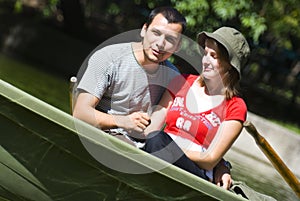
(148, 58)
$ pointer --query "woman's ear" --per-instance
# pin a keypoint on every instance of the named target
(143, 31)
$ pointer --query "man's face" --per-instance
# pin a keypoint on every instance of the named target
(161, 39)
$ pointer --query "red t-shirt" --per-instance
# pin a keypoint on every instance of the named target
(199, 127)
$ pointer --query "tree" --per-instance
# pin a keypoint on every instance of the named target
(74, 19)
(260, 20)
(277, 19)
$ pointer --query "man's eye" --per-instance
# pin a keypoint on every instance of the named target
(171, 40)
(156, 33)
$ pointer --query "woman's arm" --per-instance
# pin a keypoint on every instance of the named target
(225, 137)
(158, 117)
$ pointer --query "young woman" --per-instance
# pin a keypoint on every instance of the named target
(203, 113)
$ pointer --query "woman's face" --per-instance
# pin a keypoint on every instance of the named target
(211, 61)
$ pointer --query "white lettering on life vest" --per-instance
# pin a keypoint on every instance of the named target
(181, 123)
(178, 101)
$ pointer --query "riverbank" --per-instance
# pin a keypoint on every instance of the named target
(285, 142)
(246, 156)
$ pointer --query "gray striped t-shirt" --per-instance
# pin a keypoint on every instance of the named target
(121, 83)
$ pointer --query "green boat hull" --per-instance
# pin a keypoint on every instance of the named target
(46, 154)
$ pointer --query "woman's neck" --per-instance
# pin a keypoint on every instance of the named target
(213, 87)
(204, 101)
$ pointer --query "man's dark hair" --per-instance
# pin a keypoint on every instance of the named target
(171, 14)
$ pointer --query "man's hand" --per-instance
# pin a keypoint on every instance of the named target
(222, 175)
(133, 123)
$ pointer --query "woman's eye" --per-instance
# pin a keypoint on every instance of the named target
(214, 56)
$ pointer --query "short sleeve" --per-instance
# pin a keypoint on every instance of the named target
(96, 78)
(236, 109)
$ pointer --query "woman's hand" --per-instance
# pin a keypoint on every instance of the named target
(222, 175)
(224, 181)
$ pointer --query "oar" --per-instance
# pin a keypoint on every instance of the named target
(280, 166)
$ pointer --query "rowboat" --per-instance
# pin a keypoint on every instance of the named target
(46, 154)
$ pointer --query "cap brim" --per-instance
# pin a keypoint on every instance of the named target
(201, 38)
(203, 35)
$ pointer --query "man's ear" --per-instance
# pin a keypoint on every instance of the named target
(143, 31)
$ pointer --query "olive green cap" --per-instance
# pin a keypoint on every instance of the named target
(233, 41)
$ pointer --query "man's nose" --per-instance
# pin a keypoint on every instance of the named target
(160, 43)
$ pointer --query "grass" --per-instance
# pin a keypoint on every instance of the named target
(289, 126)
(38, 83)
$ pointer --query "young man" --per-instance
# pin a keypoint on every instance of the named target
(123, 82)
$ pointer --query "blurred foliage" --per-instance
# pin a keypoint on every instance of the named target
(276, 20)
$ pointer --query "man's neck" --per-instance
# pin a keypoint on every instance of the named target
(149, 66)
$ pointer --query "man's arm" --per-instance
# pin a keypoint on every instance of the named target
(84, 110)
